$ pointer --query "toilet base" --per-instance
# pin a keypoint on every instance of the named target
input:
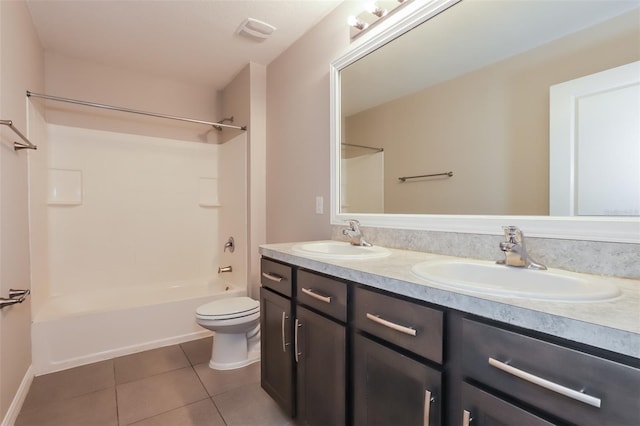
(255, 357)
(231, 351)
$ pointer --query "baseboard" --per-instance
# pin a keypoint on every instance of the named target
(16, 405)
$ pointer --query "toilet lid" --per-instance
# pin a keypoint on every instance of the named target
(229, 308)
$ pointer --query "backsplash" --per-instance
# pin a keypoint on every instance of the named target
(593, 257)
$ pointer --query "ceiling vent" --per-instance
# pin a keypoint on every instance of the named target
(255, 29)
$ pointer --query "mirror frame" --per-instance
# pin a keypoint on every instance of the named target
(605, 229)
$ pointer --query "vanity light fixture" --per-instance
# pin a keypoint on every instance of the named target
(356, 23)
(371, 15)
(373, 8)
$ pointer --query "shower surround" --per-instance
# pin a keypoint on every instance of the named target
(128, 237)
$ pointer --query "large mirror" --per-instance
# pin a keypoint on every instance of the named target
(447, 119)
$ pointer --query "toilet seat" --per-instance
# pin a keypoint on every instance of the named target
(235, 307)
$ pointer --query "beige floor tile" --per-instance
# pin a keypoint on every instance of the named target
(250, 406)
(53, 387)
(158, 394)
(92, 409)
(219, 381)
(201, 413)
(145, 364)
(198, 351)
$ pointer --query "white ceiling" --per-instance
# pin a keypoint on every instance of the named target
(186, 40)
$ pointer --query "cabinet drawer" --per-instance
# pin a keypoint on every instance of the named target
(324, 294)
(276, 276)
(572, 385)
(480, 408)
(409, 325)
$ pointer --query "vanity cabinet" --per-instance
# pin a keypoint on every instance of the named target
(391, 382)
(337, 352)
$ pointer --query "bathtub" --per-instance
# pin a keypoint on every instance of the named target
(82, 328)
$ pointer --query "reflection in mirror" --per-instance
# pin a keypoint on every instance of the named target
(468, 91)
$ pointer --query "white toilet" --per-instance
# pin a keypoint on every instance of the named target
(235, 322)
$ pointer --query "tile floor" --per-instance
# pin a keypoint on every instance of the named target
(171, 386)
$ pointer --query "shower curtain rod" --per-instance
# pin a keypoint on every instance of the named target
(132, 111)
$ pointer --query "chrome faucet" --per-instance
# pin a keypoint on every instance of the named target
(355, 234)
(515, 250)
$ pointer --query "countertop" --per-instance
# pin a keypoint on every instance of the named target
(612, 325)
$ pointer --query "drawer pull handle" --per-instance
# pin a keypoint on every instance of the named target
(272, 277)
(297, 326)
(562, 390)
(402, 329)
(466, 418)
(427, 407)
(284, 343)
(310, 292)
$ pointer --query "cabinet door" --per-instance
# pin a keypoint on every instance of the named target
(276, 349)
(482, 409)
(392, 389)
(321, 369)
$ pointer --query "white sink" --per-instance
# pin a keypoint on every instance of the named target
(339, 250)
(488, 278)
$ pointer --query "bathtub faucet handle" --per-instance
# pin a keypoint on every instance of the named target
(230, 244)
(222, 269)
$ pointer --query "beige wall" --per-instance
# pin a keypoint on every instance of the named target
(21, 68)
(490, 127)
(298, 138)
(88, 81)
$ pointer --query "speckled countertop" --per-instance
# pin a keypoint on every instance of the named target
(612, 325)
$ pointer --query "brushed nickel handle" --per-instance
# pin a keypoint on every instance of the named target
(284, 344)
(272, 277)
(310, 292)
(427, 407)
(547, 384)
(401, 328)
(297, 326)
(466, 418)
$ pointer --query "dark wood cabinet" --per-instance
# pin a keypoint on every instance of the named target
(276, 336)
(392, 389)
(321, 369)
(304, 343)
(337, 352)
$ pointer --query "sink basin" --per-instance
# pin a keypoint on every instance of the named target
(339, 250)
(488, 278)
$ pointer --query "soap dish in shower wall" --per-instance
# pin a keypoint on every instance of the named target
(65, 187)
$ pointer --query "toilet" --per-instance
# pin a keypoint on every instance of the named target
(235, 322)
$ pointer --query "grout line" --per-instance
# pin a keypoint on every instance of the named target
(218, 410)
(115, 393)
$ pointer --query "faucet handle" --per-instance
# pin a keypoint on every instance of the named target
(513, 234)
(354, 224)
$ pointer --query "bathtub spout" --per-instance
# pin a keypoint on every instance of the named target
(222, 269)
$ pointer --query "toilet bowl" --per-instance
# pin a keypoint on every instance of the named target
(235, 322)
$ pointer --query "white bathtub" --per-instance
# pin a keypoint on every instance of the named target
(82, 328)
